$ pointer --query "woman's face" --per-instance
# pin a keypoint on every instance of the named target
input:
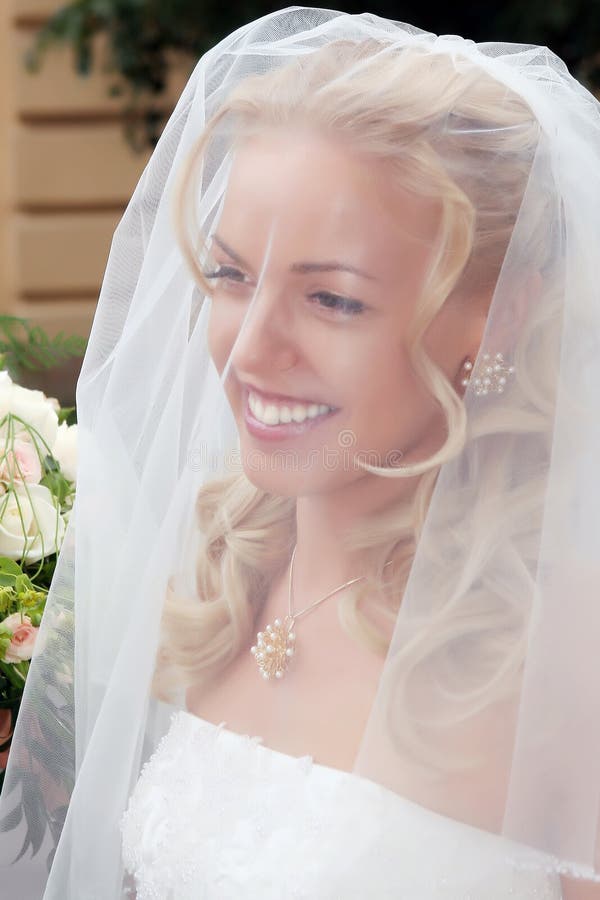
(318, 262)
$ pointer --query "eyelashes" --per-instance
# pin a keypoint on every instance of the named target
(326, 300)
(226, 272)
(339, 304)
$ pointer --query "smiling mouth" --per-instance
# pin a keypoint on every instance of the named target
(284, 412)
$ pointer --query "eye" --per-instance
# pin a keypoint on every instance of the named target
(338, 304)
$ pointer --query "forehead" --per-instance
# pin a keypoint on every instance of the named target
(311, 197)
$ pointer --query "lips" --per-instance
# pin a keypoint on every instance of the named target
(284, 418)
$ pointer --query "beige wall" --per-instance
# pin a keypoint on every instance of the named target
(66, 173)
(6, 118)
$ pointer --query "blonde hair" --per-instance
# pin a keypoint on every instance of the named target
(439, 125)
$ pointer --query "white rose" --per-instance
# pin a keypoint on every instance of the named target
(65, 449)
(6, 387)
(41, 530)
(32, 406)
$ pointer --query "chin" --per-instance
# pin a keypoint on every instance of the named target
(271, 483)
(298, 483)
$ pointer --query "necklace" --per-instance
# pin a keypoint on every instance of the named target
(276, 645)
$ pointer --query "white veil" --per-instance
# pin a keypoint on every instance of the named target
(487, 709)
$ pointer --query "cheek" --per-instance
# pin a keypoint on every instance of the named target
(221, 334)
(449, 336)
(394, 405)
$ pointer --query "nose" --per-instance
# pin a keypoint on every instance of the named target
(265, 341)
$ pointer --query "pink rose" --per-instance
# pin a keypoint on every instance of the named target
(5, 733)
(23, 638)
(21, 463)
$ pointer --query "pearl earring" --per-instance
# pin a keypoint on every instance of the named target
(490, 376)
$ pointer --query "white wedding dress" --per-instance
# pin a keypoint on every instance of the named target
(216, 815)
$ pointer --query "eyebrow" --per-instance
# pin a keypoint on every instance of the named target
(301, 268)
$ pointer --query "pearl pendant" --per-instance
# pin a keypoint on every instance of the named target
(274, 648)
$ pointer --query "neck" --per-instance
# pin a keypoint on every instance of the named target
(322, 561)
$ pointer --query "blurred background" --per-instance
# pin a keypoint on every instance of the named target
(86, 87)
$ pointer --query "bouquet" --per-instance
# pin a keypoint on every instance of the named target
(38, 449)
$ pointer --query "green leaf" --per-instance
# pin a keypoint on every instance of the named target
(58, 485)
(5, 642)
(9, 566)
(67, 414)
(11, 673)
(23, 583)
(51, 464)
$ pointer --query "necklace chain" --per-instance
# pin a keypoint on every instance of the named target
(292, 615)
(276, 645)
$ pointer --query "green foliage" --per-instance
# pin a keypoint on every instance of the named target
(43, 571)
(24, 590)
(67, 414)
(142, 34)
(25, 346)
(55, 481)
(17, 595)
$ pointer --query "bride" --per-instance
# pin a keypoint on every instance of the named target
(334, 569)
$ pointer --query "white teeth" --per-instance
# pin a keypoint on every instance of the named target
(299, 413)
(271, 414)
